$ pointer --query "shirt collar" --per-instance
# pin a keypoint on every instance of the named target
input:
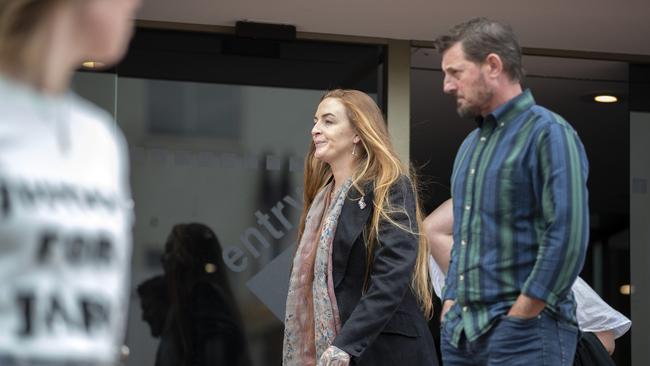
(509, 110)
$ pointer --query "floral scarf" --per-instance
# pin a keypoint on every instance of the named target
(312, 320)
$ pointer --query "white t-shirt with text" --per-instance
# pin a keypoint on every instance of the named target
(65, 229)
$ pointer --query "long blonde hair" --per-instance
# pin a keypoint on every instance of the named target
(19, 20)
(378, 163)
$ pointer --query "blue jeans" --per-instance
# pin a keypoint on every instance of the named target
(542, 340)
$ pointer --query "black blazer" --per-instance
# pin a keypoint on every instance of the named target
(384, 325)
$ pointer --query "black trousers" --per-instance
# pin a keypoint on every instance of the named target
(590, 352)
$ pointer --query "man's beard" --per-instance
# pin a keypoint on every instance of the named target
(470, 111)
(482, 96)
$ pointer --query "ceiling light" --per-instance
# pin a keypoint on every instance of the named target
(625, 289)
(604, 98)
(92, 65)
(210, 267)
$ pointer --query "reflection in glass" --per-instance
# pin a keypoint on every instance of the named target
(192, 310)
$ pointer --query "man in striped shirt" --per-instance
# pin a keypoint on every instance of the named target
(520, 211)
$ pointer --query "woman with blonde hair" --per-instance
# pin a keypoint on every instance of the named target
(65, 205)
(359, 290)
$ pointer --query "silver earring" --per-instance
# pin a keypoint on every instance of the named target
(354, 148)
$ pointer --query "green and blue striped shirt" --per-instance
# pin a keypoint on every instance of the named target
(521, 217)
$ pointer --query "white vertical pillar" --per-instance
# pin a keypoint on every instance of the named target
(399, 95)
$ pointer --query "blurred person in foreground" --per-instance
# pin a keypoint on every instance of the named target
(65, 203)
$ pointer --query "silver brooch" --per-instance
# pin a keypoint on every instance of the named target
(362, 203)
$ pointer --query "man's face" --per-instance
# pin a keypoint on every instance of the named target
(466, 81)
(154, 303)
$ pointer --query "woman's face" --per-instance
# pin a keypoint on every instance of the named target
(105, 28)
(333, 134)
